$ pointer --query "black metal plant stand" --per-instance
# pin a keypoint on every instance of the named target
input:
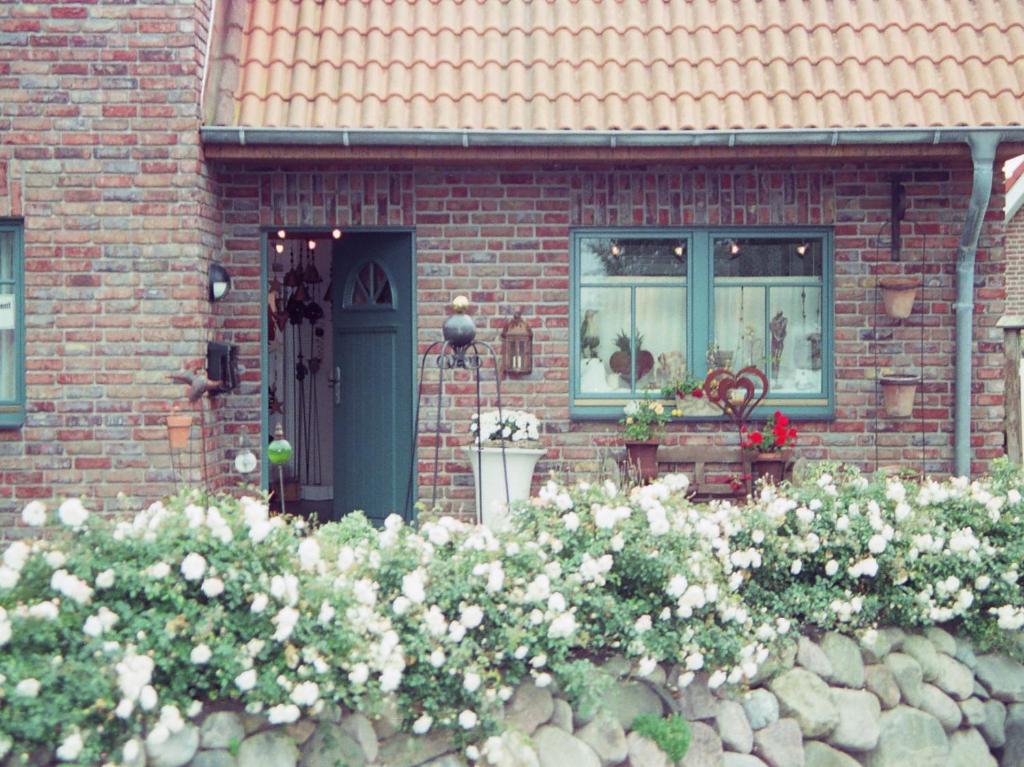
(458, 351)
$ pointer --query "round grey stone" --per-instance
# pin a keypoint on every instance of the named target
(557, 748)
(529, 708)
(967, 749)
(908, 675)
(909, 737)
(935, 702)
(268, 749)
(1013, 748)
(222, 729)
(516, 750)
(761, 707)
(177, 750)
(733, 727)
(1003, 677)
(561, 715)
(705, 748)
(780, 744)
(730, 759)
(942, 640)
(360, 729)
(846, 660)
(606, 738)
(817, 754)
(954, 678)
(813, 658)
(924, 652)
(807, 699)
(879, 680)
(628, 700)
(859, 713)
(696, 701)
(330, 745)
(993, 729)
(974, 711)
(404, 750)
(965, 653)
(215, 758)
(644, 752)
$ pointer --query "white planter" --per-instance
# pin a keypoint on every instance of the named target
(519, 462)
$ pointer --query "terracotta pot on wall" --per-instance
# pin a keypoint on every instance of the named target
(899, 294)
(643, 456)
(179, 426)
(898, 394)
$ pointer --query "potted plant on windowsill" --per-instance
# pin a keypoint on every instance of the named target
(688, 393)
(769, 447)
(504, 454)
(643, 420)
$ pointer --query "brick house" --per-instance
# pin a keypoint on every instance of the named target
(656, 180)
(1014, 220)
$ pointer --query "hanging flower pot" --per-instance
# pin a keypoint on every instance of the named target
(179, 426)
(643, 456)
(899, 294)
(898, 393)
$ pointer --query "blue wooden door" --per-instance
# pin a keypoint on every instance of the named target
(373, 295)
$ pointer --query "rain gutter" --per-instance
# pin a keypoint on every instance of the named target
(348, 137)
(983, 155)
(983, 143)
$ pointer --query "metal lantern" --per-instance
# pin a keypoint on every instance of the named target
(517, 342)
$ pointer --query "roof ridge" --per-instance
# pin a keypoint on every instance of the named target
(480, 64)
(626, 96)
(831, 28)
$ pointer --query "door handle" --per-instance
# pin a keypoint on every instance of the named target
(335, 384)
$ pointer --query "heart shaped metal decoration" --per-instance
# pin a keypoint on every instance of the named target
(736, 394)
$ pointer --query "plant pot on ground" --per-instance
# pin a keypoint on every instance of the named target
(771, 466)
(898, 393)
(643, 458)
(899, 294)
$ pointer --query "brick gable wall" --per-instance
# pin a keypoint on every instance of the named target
(1015, 264)
(501, 235)
(100, 155)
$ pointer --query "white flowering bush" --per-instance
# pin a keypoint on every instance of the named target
(505, 426)
(117, 633)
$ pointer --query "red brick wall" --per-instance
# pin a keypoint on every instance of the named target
(501, 236)
(1015, 264)
(100, 155)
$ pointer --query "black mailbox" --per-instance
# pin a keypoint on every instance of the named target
(222, 366)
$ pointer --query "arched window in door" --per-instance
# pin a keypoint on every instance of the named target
(369, 288)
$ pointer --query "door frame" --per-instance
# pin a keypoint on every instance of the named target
(318, 232)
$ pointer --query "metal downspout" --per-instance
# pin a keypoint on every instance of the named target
(983, 155)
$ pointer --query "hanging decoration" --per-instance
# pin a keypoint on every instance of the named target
(517, 346)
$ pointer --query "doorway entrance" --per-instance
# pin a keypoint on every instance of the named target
(341, 377)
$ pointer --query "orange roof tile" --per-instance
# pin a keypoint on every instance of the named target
(618, 64)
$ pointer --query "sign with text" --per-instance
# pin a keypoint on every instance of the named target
(6, 311)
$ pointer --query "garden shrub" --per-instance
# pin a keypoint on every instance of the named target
(117, 631)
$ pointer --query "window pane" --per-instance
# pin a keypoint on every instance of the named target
(739, 336)
(661, 330)
(7, 365)
(6, 256)
(763, 257)
(604, 340)
(605, 257)
(795, 329)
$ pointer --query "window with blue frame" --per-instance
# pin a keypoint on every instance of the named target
(654, 306)
(12, 326)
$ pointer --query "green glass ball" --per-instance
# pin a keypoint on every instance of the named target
(279, 451)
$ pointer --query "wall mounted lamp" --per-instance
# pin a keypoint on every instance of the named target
(220, 282)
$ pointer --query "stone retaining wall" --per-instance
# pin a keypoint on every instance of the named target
(898, 700)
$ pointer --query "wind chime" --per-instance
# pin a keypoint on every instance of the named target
(458, 351)
(293, 304)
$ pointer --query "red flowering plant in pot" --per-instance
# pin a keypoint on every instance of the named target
(770, 446)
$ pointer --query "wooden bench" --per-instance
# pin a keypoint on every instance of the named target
(713, 470)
